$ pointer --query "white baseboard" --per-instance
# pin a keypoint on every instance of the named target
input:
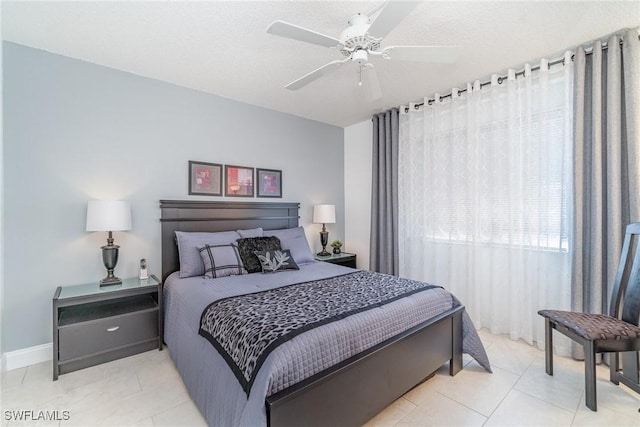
(27, 356)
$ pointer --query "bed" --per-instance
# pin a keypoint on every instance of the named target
(325, 376)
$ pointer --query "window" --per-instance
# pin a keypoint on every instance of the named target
(490, 167)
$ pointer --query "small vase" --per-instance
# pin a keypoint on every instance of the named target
(336, 251)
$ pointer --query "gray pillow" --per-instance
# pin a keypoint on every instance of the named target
(189, 254)
(253, 232)
(221, 261)
(272, 261)
(295, 240)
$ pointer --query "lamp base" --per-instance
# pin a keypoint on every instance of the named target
(324, 241)
(110, 280)
(110, 259)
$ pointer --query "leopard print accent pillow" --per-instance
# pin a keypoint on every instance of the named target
(247, 247)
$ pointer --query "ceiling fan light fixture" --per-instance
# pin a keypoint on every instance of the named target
(360, 57)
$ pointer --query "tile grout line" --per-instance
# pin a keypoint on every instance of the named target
(24, 375)
(544, 401)
(552, 404)
(603, 405)
(575, 413)
(139, 383)
(509, 392)
(463, 405)
(415, 406)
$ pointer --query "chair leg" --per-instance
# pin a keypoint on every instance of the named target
(590, 375)
(548, 346)
(614, 362)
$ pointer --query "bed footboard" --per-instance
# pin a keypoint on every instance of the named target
(358, 388)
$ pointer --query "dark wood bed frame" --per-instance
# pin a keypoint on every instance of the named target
(355, 390)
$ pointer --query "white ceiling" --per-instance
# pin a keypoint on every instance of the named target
(222, 47)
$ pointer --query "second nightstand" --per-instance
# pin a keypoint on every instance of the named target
(344, 259)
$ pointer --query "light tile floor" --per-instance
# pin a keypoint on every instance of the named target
(146, 390)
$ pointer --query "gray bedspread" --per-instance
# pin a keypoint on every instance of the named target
(214, 387)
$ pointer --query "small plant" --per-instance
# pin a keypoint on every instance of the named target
(336, 244)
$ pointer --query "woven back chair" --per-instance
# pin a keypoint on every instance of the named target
(615, 333)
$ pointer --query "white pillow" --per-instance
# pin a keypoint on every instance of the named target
(295, 240)
(253, 232)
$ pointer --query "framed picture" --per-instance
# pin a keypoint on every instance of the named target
(239, 181)
(205, 179)
(269, 182)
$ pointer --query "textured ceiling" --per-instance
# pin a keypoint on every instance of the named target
(222, 47)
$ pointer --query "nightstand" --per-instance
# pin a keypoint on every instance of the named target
(343, 258)
(94, 324)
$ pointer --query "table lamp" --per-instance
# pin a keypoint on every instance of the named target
(324, 214)
(109, 216)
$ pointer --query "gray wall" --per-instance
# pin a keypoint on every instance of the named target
(75, 131)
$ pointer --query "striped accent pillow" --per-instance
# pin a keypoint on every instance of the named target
(189, 244)
(221, 261)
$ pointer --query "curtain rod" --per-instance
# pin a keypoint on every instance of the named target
(503, 78)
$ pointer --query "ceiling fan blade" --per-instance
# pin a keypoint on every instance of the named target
(376, 9)
(316, 74)
(284, 29)
(435, 54)
(390, 16)
(370, 83)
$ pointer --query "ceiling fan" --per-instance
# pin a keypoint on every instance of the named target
(361, 41)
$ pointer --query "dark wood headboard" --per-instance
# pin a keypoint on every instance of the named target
(187, 215)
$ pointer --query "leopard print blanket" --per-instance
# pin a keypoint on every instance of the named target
(246, 328)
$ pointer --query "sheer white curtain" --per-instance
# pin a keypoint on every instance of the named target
(484, 178)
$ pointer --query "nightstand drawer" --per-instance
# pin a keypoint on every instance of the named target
(86, 338)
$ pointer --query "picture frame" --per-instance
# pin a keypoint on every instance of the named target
(269, 182)
(238, 181)
(205, 179)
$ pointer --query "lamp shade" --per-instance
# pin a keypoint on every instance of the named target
(108, 215)
(324, 214)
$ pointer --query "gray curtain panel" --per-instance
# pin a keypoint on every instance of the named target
(606, 166)
(384, 200)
